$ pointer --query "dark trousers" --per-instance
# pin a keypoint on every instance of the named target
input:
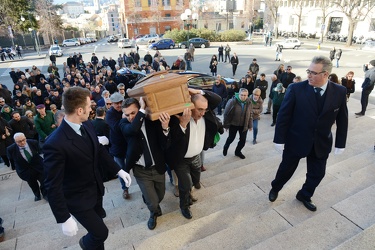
(36, 177)
(97, 231)
(316, 169)
(221, 55)
(227, 56)
(232, 135)
(234, 68)
(364, 100)
(188, 172)
(276, 109)
(152, 185)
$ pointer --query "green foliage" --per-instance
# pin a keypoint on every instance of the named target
(227, 36)
(232, 36)
(258, 23)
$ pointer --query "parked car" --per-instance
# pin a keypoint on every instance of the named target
(70, 42)
(132, 76)
(162, 44)
(112, 39)
(125, 43)
(290, 43)
(147, 38)
(55, 50)
(197, 43)
(194, 80)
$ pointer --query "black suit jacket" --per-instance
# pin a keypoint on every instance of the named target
(101, 127)
(156, 139)
(71, 168)
(23, 167)
(300, 126)
(179, 141)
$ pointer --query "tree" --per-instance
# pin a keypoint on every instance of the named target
(10, 15)
(324, 5)
(50, 23)
(298, 12)
(273, 6)
(356, 11)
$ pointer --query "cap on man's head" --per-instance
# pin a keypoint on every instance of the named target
(40, 106)
(372, 62)
(116, 97)
(279, 86)
(18, 91)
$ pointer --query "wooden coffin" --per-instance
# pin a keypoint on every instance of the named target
(163, 92)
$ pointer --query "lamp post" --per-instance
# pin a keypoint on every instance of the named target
(33, 32)
(187, 17)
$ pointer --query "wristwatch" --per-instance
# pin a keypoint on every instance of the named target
(166, 129)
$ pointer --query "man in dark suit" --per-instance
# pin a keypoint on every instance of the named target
(72, 155)
(303, 128)
(28, 163)
(191, 133)
(145, 153)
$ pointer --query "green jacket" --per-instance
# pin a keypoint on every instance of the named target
(44, 125)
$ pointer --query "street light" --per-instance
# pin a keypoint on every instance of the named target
(36, 42)
(188, 19)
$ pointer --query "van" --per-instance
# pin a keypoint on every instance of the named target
(125, 42)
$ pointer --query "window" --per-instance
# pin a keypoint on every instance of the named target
(114, 29)
(166, 28)
(318, 23)
(168, 15)
(138, 3)
(372, 25)
(335, 24)
(166, 2)
(304, 20)
(291, 20)
(111, 15)
(242, 25)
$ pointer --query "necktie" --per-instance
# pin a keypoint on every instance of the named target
(146, 152)
(83, 132)
(317, 92)
(319, 99)
(27, 154)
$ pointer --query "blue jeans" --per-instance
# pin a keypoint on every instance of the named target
(121, 162)
(255, 129)
(188, 65)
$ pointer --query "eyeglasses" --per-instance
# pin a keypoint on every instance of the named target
(108, 103)
(313, 72)
(288, 69)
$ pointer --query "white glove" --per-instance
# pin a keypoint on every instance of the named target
(279, 148)
(69, 227)
(126, 177)
(339, 151)
(103, 140)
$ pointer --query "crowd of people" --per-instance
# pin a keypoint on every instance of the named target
(95, 91)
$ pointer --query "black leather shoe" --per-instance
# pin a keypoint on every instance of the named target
(360, 114)
(273, 195)
(273, 124)
(186, 213)
(197, 185)
(102, 213)
(81, 244)
(240, 155)
(37, 198)
(225, 151)
(152, 222)
(267, 113)
(307, 203)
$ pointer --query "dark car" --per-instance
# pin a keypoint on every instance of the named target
(162, 44)
(197, 43)
(194, 80)
(130, 76)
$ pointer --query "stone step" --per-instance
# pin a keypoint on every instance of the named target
(364, 240)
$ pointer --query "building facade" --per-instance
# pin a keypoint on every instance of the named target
(151, 16)
(111, 20)
(73, 9)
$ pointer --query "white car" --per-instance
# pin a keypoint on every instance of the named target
(145, 39)
(125, 43)
(290, 43)
(70, 42)
(55, 50)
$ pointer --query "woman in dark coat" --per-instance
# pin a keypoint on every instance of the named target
(5, 140)
(213, 65)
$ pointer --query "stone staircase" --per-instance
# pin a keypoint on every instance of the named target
(232, 212)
